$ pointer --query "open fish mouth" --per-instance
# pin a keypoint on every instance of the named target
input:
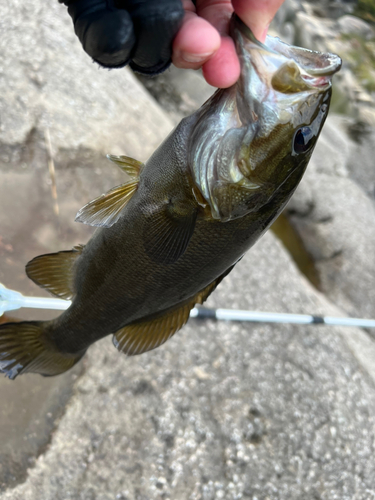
(307, 68)
(316, 64)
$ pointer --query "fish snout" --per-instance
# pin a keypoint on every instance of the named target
(303, 69)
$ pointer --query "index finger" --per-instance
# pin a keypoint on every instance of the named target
(257, 14)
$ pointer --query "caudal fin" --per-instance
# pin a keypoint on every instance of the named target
(24, 347)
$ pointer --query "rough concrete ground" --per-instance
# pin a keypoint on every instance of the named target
(222, 410)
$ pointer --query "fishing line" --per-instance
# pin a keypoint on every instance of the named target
(11, 300)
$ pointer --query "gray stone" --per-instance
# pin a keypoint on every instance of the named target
(285, 15)
(352, 95)
(339, 233)
(334, 215)
(333, 148)
(332, 9)
(178, 91)
(361, 162)
(354, 26)
(48, 82)
(313, 32)
(346, 94)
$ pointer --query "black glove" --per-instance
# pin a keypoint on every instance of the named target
(117, 32)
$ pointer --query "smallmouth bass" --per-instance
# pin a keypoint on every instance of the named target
(171, 234)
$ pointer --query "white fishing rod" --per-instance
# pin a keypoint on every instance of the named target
(270, 317)
(11, 300)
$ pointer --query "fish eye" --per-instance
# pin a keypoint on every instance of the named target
(303, 140)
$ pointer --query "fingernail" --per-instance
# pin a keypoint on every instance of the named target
(264, 34)
(195, 58)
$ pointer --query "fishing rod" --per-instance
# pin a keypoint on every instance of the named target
(11, 300)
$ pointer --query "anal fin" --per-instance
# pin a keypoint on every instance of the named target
(146, 335)
(54, 272)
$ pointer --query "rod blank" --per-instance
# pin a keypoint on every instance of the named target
(269, 317)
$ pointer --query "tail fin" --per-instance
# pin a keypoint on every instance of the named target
(24, 347)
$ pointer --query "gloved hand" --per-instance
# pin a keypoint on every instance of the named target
(117, 32)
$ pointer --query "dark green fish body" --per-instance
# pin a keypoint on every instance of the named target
(135, 287)
(170, 235)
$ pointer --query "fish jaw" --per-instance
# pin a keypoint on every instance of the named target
(248, 139)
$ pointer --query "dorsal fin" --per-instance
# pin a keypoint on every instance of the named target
(55, 271)
(144, 336)
(105, 210)
(127, 164)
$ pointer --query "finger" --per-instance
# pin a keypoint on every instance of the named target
(223, 69)
(195, 43)
(155, 25)
(217, 13)
(257, 14)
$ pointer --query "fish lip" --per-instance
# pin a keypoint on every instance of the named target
(315, 64)
(317, 67)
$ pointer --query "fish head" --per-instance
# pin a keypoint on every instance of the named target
(250, 139)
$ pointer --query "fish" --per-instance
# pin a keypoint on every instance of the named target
(168, 236)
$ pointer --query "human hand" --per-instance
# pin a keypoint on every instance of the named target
(139, 32)
(203, 39)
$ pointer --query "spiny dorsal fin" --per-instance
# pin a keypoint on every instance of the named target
(147, 335)
(129, 165)
(105, 210)
(54, 271)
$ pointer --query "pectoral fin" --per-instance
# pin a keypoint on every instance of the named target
(147, 335)
(105, 210)
(55, 272)
(167, 233)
